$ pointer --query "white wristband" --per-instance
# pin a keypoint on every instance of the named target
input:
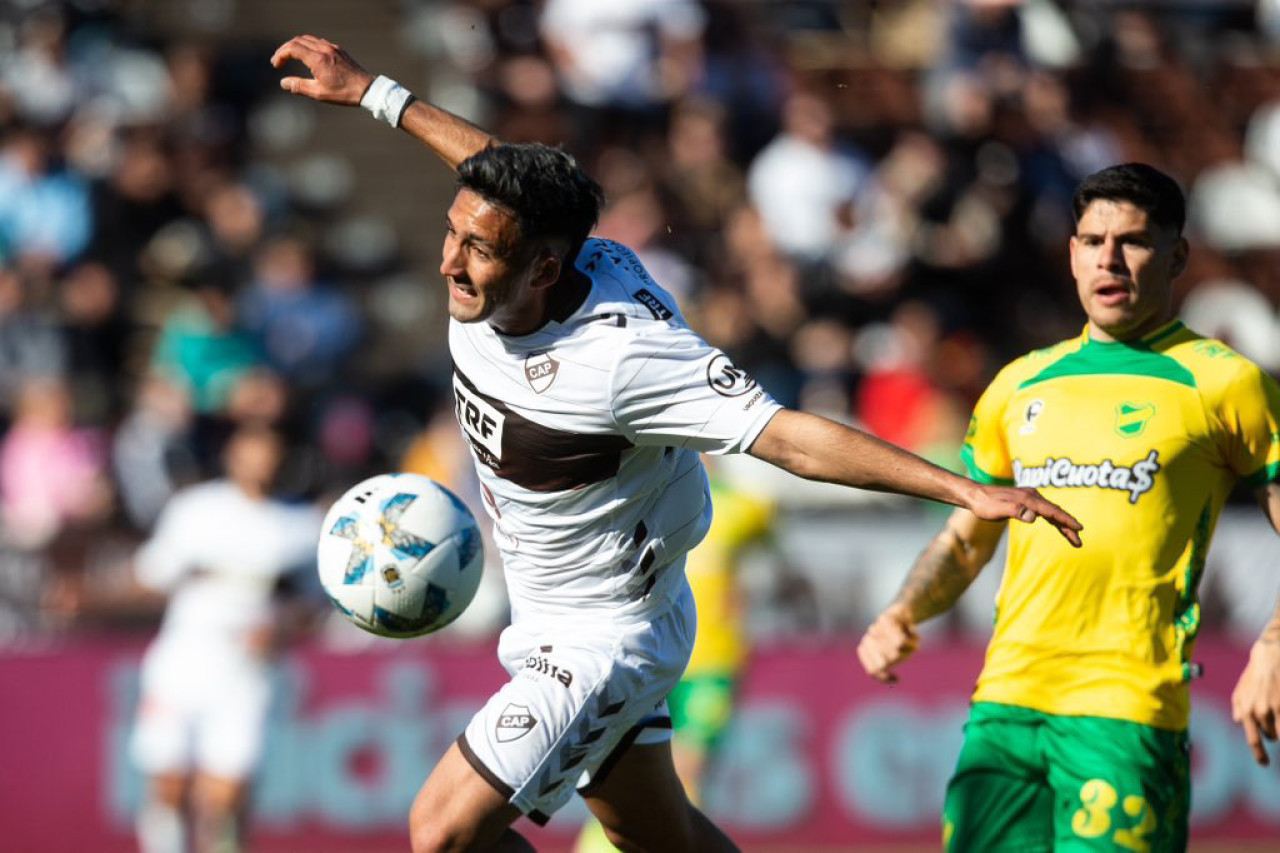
(387, 100)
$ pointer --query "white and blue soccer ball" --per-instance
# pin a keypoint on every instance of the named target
(400, 555)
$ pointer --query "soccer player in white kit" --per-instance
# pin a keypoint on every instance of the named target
(219, 552)
(586, 400)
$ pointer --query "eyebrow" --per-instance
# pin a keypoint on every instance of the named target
(1146, 233)
(472, 238)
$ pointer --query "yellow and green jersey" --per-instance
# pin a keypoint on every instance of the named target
(739, 520)
(1142, 442)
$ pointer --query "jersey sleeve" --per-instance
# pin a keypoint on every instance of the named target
(167, 556)
(1249, 416)
(670, 387)
(986, 448)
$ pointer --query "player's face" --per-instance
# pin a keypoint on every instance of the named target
(1124, 265)
(490, 274)
(252, 460)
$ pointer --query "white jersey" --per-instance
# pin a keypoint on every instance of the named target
(586, 435)
(219, 555)
(206, 689)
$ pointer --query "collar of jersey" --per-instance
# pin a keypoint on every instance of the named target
(1146, 342)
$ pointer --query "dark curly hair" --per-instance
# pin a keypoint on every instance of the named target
(1143, 186)
(542, 186)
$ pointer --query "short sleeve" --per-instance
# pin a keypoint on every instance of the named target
(164, 558)
(986, 449)
(672, 388)
(1249, 415)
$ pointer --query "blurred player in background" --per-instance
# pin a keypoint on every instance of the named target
(702, 701)
(225, 554)
(1077, 737)
(586, 399)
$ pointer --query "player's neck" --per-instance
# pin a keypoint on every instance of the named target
(562, 299)
(1100, 335)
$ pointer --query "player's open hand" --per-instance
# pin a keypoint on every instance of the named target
(336, 78)
(888, 642)
(1255, 703)
(997, 503)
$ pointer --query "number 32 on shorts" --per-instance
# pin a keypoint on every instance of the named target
(1093, 818)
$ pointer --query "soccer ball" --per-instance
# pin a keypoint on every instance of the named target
(400, 555)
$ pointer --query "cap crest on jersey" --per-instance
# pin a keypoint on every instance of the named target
(540, 370)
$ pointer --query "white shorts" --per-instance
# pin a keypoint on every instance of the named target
(201, 711)
(581, 692)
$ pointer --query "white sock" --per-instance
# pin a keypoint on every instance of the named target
(160, 829)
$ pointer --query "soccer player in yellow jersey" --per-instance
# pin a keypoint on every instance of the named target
(1077, 736)
(702, 702)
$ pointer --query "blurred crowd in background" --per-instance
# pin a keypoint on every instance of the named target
(866, 205)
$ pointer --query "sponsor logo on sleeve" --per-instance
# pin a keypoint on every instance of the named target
(481, 423)
(653, 303)
(727, 380)
(540, 371)
(1136, 479)
(514, 722)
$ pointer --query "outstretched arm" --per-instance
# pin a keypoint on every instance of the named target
(940, 575)
(336, 78)
(1255, 703)
(815, 448)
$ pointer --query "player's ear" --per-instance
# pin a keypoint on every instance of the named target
(548, 265)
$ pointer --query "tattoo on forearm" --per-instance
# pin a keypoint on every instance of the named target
(937, 579)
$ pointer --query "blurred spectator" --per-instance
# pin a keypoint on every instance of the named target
(704, 184)
(744, 70)
(534, 110)
(44, 210)
(874, 255)
(258, 396)
(899, 398)
(305, 328)
(1235, 206)
(152, 454)
(31, 345)
(52, 473)
(203, 347)
(37, 75)
(1262, 137)
(621, 64)
(236, 221)
(985, 34)
(97, 334)
(630, 54)
(1269, 18)
(134, 201)
(805, 183)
